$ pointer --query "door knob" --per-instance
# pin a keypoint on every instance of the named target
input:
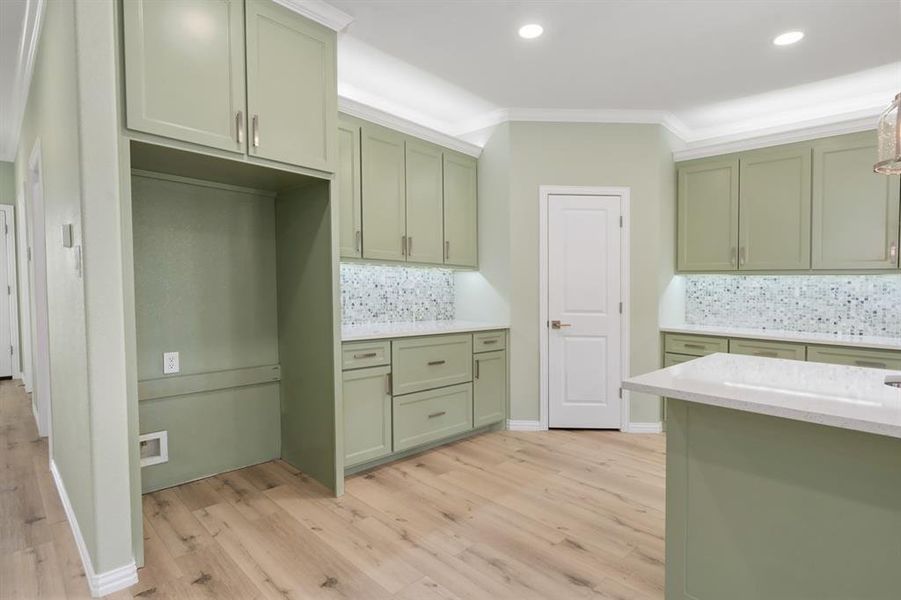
(556, 324)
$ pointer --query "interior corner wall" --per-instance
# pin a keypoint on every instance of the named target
(51, 116)
(580, 154)
(7, 183)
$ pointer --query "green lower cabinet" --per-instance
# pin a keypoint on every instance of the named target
(367, 415)
(670, 359)
(489, 388)
(768, 349)
(856, 357)
(431, 362)
(428, 416)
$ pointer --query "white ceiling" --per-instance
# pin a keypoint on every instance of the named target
(18, 37)
(706, 68)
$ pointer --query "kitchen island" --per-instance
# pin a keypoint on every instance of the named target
(783, 480)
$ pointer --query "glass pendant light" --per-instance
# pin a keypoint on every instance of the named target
(889, 133)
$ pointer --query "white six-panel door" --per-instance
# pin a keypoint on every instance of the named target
(583, 302)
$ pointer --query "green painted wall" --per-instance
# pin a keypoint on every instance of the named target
(205, 286)
(528, 155)
(8, 183)
(763, 507)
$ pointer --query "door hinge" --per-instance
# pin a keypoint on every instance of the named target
(6, 229)
(620, 308)
(29, 252)
(10, 350)
(9, 290)
(620, 221)
(620, 393)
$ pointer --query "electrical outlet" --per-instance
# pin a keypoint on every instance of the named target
(170, 363)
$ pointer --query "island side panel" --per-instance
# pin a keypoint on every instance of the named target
(764, 507)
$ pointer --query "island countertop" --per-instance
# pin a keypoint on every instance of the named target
(841, 396)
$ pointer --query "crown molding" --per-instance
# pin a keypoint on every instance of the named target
(21, 84)
(319, 11)
(380, 117)
(796, 132)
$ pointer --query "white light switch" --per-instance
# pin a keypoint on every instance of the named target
(170, 362)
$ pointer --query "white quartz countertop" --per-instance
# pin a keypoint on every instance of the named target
(350, 333)
(836, 395)
(830, 339)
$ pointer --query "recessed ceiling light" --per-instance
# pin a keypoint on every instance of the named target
(788, 38)
(531, 31)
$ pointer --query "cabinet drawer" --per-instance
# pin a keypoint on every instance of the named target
(488, 341)
(696, 345)
(357, 355)
(428, 416)
(670, 359)
(785, 350)
(874, 359)
(431, 362)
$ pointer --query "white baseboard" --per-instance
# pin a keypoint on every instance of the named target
(654, 427)
(520, 425)
(100, 584)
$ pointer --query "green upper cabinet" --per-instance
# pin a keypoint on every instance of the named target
(708, 215)
(184, 70)
(384, 194)
(425, 201)
(774, 196)
(855, 211)
(291, 87)
(460, 210)
(350, 219)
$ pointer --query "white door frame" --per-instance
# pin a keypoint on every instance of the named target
(12, 270)
(40, 348)
(24, 299)
(544, 193)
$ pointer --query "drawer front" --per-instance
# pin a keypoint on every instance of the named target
(488, 341)
(429, 416)
(359, 355)
(670, 359)
(696, 345)
(769, 349)
(430, 362)
(874, 359)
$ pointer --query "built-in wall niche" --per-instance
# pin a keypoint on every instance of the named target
(374, 293)
(841, 304)
(234, 269)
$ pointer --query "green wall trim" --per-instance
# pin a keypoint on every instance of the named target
(181, 385)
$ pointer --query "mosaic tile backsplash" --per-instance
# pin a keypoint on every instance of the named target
(850, 305)
(389, 294)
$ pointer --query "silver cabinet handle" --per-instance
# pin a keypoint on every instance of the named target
(870, 363)
(410, 245)
(255, 130)
(447, 249)
(433, 363)
(403, 245)
(766, 353)
(695, 346)
(476, 361)
(489, 342)
(239, 126)
(438, 414)
(358, 241)
(365, 355)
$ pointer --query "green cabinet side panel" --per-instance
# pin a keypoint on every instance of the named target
(774, 198)
(431, 415)
(312, 421)
(184, 70)
(770, 349)
(367, 415)
(707, 215)
(425, 203)
(384, 194)
(855, 211)
(489, 388)
(762, 507)
(291, 87)
(350, 215)
(460, 210)
(212, 432)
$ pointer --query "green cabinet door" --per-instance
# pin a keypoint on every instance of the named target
(855, 211)
(350, 216)
(707, 213)
(489, 388)
(384, 194)
(184, 70)
(774, 199)
(367, 415)
(460, 210)
(292, 93)
(425, 202)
